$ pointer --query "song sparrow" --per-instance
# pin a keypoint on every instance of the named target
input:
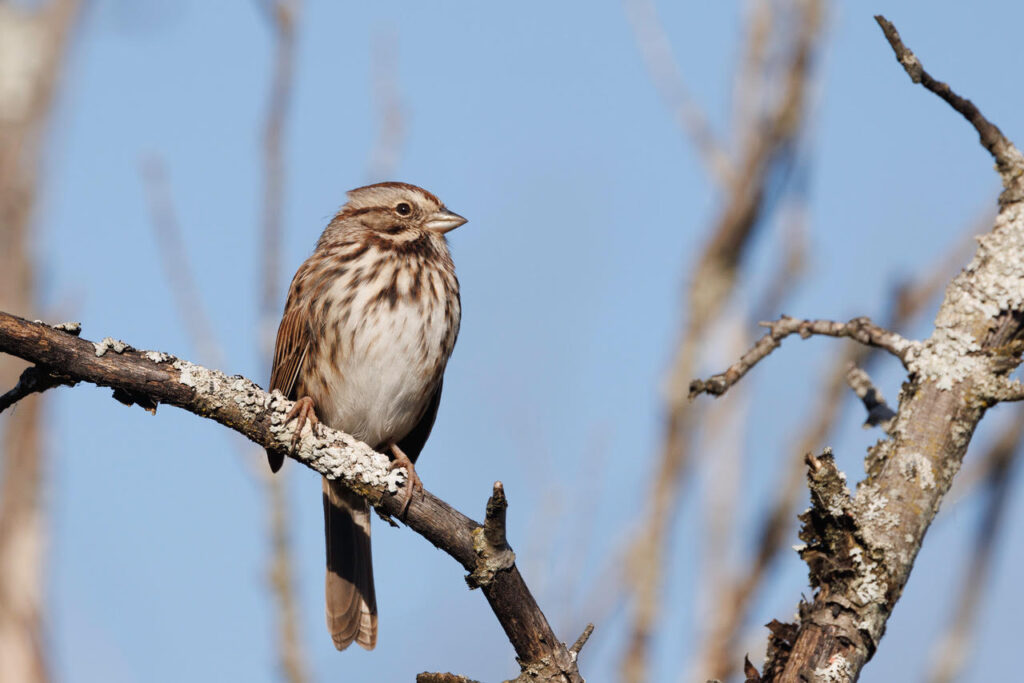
(369, 323)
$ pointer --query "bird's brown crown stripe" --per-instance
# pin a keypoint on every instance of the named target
(399, 186)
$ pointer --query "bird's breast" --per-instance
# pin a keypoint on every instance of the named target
(383, 348)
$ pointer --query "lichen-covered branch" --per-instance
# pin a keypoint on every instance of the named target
(723, 649)
(151, 378)
(858, 329)
(861, 546)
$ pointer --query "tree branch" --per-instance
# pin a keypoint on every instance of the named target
(861, 547)
(1008, 158)
(858, 329)
(152, 377)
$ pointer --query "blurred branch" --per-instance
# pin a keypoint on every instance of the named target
(34, 39)
(151, 378)
(657, 52)
(953, 647)
(175, 262)
(792, 263)
(283, 17)
(764, 159)
(384, 154)
(879, 412)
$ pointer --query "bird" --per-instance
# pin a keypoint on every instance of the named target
(369, 324)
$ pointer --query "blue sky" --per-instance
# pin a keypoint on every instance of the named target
(539, 123)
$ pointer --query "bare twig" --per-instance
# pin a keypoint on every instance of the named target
(582, 640)
(151, 377)
(953, 647)
(33, 380)
(1008, 157)
(879, 412)
(858, 329)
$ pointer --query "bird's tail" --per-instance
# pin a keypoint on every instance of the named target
(351, 601)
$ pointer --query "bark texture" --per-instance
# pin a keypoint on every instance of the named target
(860, 546)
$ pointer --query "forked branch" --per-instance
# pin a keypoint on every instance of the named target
(858, 329)
(861, 546)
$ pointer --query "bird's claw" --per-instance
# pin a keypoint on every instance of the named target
(412, 481)
(303, 410)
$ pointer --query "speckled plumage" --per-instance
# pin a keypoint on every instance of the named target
(369, 324)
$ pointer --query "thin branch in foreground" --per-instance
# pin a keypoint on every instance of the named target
(879, 412)
(858, 329)
(153, 377)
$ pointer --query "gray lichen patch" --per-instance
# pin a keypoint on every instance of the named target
(74, 328)
(838, 670)
(866, 584)
(203, 380)
(334, 454)
(158, 356)
(110, 344)
(994, 281)
(947, 358)
(918, 469)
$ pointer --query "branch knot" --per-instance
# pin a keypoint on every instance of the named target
(493, 553)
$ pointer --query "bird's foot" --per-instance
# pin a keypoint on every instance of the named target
(303, 410)
(412, 481)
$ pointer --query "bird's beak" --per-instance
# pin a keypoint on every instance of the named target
(444, 220)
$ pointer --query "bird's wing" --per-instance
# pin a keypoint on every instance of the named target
(413, 442)
(289, 355)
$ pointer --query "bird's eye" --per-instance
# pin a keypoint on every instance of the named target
(403, 209)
